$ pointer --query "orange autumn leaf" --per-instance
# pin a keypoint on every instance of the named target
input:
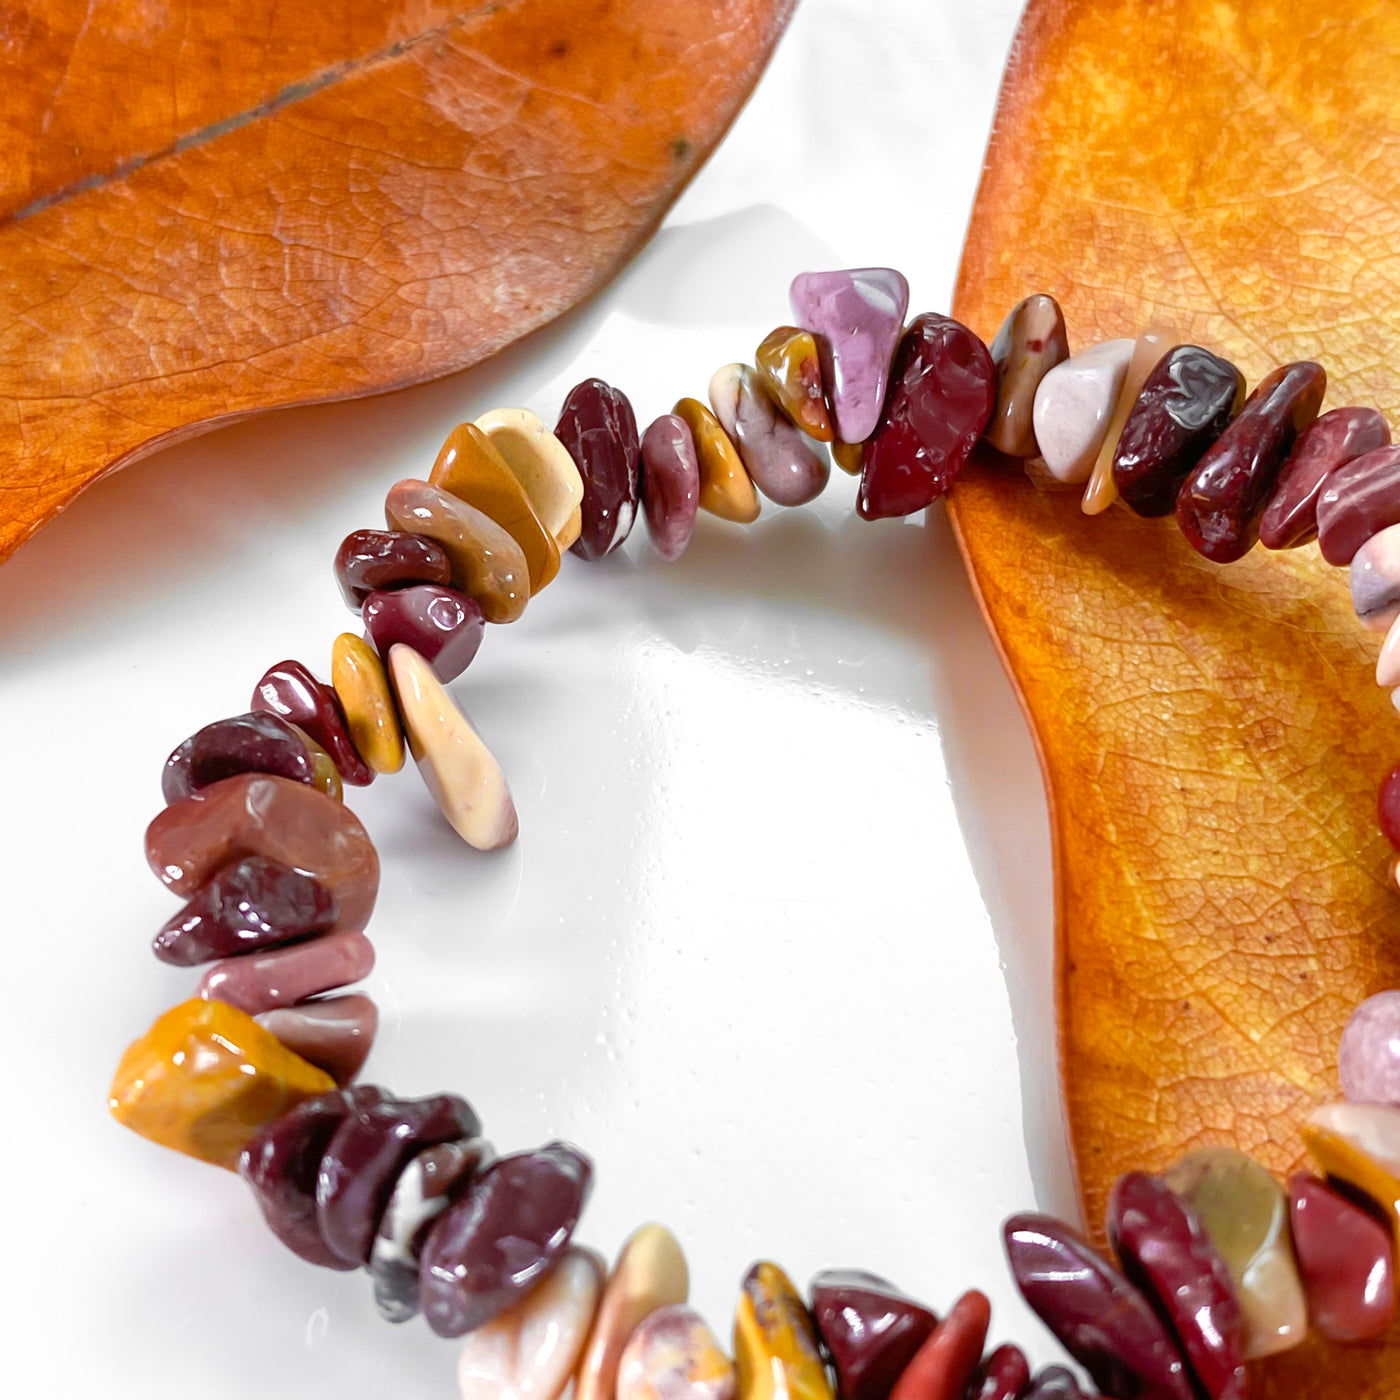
(208, 209)
(1212, 738)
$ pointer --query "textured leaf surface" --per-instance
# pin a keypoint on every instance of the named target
(1212, 738)
(207, 210)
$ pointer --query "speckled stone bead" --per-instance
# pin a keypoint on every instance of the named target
(291, 692)
(776, 1352)
(599, 431)
(871, 1330)
(506, 1235)
(1336, 438)
(1244, 1213)
(942, 389)
(335, 1034)
(250, 904)
(856, 316)
(1346, 1259)
(670, 485)
(1184, 405)
(359, 679)
(726, 489)
(442, 625)
(1004, 1375)
(1074, 404)
(943, 1368)
(543, 467)
(1375, 580)
(371, 561)
(673, 1355)
(1369, 1057)
(1358, 501)
(1030, 343)
(251, 743)
(789, 368)
(258, 982)
(1166, 1254)
(1222, 500)
(782, 462)
(1359, 1144)
(1148, 348)
(1102, 1320)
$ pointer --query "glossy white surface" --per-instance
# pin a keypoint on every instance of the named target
(774, 945)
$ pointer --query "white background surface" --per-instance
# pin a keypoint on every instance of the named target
(774, 945)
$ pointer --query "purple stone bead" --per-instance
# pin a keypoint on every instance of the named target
(289, 690)
(443, 626)
(251, 743)
(1335, 439)
(870, 1328)
(373, 561)
(857, 316)
(1004, 1375)
(670, 484)
(364, 1159)
(502, 1238)
(265, 981)
(1165, 1251)
(1357, 501)
(599, 430)
(1375, 579)
(1102, 1320)
(1055, 1383)
(1369, 1059)
(249, 904)
(785, 464)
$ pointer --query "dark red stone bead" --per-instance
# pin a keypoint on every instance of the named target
(252, 743)
(1185, 403)
(871, 1329)
(362, 1162)
(942, 390)
(1165, 1251)
(1102, 1320)
(1222, 500)
(599, 429)
(1388, 807)
(372, 561)
(1004, 1375)
(252, 903)
(288, 689)
(1336, 438)
(944, 1366)
(502, 1237)
(1346, 1261)
(1055, 1383)
(443, 626)
(1360, 499)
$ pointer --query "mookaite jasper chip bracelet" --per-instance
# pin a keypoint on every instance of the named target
(1214, 1263)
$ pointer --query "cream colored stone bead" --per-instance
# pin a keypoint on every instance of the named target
(543, 466)
(1073, 406)
(673, 1355)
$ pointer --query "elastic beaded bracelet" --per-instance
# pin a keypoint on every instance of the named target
(1214, 1262)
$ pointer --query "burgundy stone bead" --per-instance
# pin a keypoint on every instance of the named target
(943, 1368)
(1335, 439)
(443, 626)
(1346, 1261)
(1358, 500)
(1055, 1383)
(252, 903)
(1004, 1375)
(670, 484)
(942, 391)
(502, 1237)
(599, 429)
(871, 1329)
(281, 1163)
(364, 1158)
(1102, 1320)
(1185, 403)
(288, 689)
(1222, 500)
(374, 561)
(1165, 1252)
(251, 743)
(1388, 807)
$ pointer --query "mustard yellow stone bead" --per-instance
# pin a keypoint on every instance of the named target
(325, 776)
(775, 1346)
(849, 456)
(1359, 1144)
(790, 369)
(542, 465)
(725, 487)
(573, 528)
(359, 679)
(205, 1078)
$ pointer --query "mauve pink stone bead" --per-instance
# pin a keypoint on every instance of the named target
(259, 982)
(670, 485)
(1369, 1057)
(1338, 437)
(1375, 579)
(335, 1034)
(1358, 500)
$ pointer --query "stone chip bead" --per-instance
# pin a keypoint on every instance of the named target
(252, 743)
(291, 692)
(1358, 501)
(942, 390)
(325, 776)
(1336, 438)
(1185, 403)
(543, 467)
(789, 368)
(1031, 342)
(502, 1238)
(371, 561)
(442, 625)
(599, 431)
(1347, 1261)
(1102, 1320)
(782, 462)
(870, 1328)
(1221, 502)
(1074, 404)
(258, 982)
(650, 1273)
(776, 1352)
(1004, 1375)
(1244, 1213)
(205, 1078)
(358, 678)
(670, 485)
(335, 1034)
(1054, 1383)
(1374, 578)
(856, 315)
(726, 489)
(943, 1368)
(1099, 489)
(1368, 1059)
(1388, 807)
(1358, 1144)
(673, 1355)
